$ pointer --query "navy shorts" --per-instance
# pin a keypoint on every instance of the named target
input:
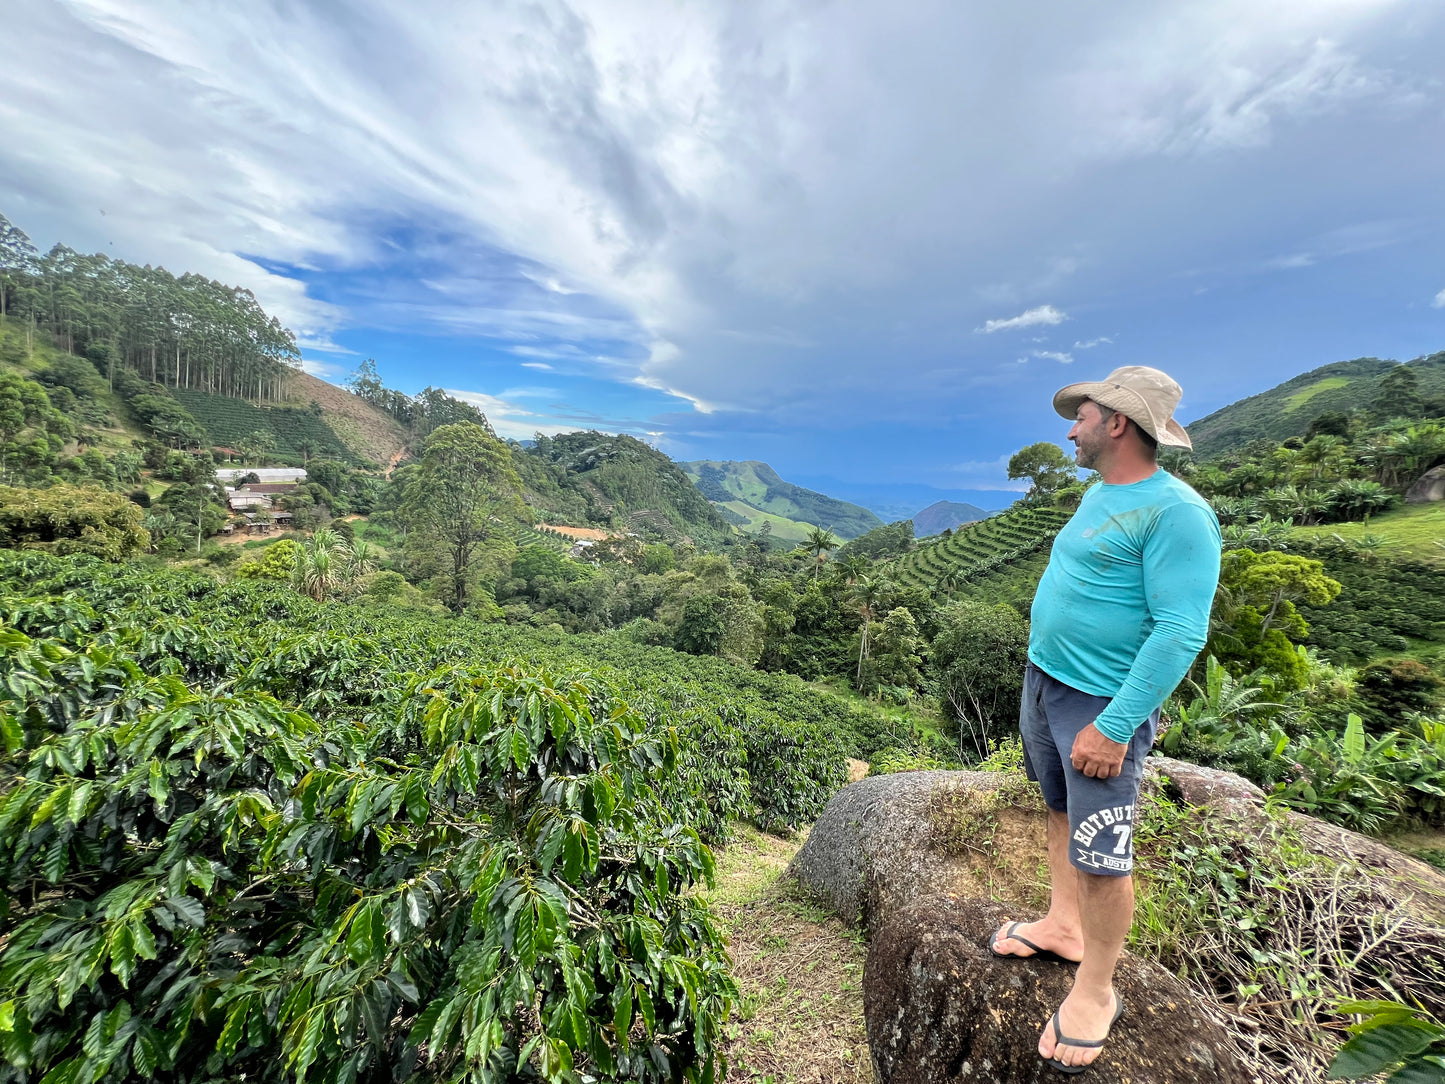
(1101, 811)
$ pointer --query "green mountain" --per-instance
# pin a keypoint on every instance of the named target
(752, 494)
(1287, 409)
(619, 481)
(941, 516)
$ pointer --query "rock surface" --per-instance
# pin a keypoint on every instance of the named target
(876, 848)
(941, 1008)
(1430, 486)
(869, 853)
(1199, 785)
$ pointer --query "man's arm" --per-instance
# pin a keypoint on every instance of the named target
(1181, 571)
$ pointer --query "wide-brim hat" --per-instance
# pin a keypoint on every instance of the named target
(1144, 395)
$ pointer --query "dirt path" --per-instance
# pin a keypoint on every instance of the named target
(590, 534)
(798, 968)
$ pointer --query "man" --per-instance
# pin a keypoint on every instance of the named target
(1120, 614)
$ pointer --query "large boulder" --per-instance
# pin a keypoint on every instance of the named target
(940, 1008)
(1197, 785)
(888, 840)
(1430, 486)
(875, 847)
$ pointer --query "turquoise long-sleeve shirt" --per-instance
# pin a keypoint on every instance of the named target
(1123, 607)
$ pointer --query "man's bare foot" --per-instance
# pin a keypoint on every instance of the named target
(1079, 1018)
(1028, 937)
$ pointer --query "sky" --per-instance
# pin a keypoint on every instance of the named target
(863, 242)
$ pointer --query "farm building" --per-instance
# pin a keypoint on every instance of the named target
(266, 474)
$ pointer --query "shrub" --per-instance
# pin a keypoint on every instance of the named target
(68, 519)
(1393, 689)
(482, 880)
(978, 661)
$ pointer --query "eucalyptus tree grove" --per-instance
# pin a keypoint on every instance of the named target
(186, 332)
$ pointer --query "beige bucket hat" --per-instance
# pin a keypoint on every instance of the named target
(1140, 393)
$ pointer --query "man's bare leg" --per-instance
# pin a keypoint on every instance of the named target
(1060, 930)
(1107, 908)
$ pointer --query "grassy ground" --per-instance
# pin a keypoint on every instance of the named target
(790, 530)
(917, 723)
(798, 968)
(1428, 845)
(1410, 531)
(1300, 398)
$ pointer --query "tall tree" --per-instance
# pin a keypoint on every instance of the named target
(819, 543)
(466, 483)
(978, 660)
(19, 261)
(1047, 467)
(868, 594)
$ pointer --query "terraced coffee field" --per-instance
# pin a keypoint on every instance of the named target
(1000, 558)
(228, 422)
(523, 537)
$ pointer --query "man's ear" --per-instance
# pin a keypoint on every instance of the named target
(1118, 424)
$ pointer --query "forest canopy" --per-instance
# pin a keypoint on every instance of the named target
(183, 332)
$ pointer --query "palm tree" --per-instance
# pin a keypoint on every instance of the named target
(360, 561)
(1420, 447)
(1232, 510)
(320, 565)
(1404, 453)
(854, 568)
(868, 592)
(1319, 452)
(1264, 535)
(819, 543)
(950, 580)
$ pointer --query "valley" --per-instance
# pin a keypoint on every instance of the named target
(532, 683)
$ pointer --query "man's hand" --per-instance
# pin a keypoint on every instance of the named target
(1097, 756)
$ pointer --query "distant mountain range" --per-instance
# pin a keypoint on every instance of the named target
(750, 494)
(893, 501)
(1287, 409)
(943, 516)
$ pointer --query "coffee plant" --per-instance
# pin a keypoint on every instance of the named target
(246, 835)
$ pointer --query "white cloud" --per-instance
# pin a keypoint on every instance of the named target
(512, 421)
(1184, 82)
(540, 366)
(746, 206)
(1089, 344)
(325, 370)
(1043, 314)
(1439, 301)
(1055, 355)
(990, 474)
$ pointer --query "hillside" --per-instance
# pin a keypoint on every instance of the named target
(999, 559)
(344, 427)
(755, 494)
(943, 516)
(1412, 532)
(370, 433)
(1287, 409)
(600, 479)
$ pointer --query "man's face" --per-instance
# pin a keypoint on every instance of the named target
(1090, 433)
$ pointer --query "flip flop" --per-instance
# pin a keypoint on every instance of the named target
(1060, 1037)
(1039, 953)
